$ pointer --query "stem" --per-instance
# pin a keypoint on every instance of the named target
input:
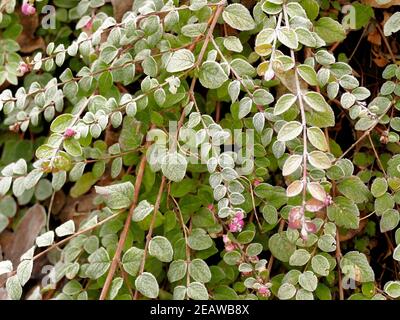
(366, 133)
(151, 228)
(124, 233)
(303, 117)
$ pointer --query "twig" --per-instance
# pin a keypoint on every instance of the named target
(124, 233)
(151, 228)
(386, 43)
(303, 118)
(376, 155)
(338, 255)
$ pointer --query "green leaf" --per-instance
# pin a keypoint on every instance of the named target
(244, 107)
(329, 30)
(280, 246)
(173, 166)
(116, 285)
(288, 37)
(316, 101)
(14, 288)
(108, 54)
(46, 239)
(319, 160)
(323, 292)
(197, 291)
(177, 270)
(354, 189)
(320, 265)
(286, 291)
(99, 262)
(72, 147)
(344, 213)
(24, 271)
(284, 103)
(392, 288)
(290, 131)
(199, 271)
(199, 239)
(238, 17)
(180, 60)
(131, 260)
(379, 187)
(308, 281)
(392, 25)
(147, 285)
(62, 122)
(364, 13)
(262, 97)
(396, 253)
(72, 288)
(308, 74)
(8, 207)
(355, 265)
(83, 185)
(317, 138)
(299, 258)
(105, 83)
(311, 7)
(117, 196)
(212, 75)
(292, 164)
(233, 44)
(389, 220)
(66, 229)
(142, 210)
(161, 248)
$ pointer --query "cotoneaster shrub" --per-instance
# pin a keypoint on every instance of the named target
(200, 138)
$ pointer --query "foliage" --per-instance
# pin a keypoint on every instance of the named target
(203, 140)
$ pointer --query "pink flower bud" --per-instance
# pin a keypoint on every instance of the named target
(230, 247)
(254, 259)
(210, 207)
(256, 182)
(22, 68)
(295, 218)
(310, 227)
(233, 227)
(239, 215)
(27, 9)
(89, 24)
(69, 133)
(264, 291)
(328, 200)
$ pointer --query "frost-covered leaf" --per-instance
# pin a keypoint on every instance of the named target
(147, 285)
(238, 17)
(117, 196)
